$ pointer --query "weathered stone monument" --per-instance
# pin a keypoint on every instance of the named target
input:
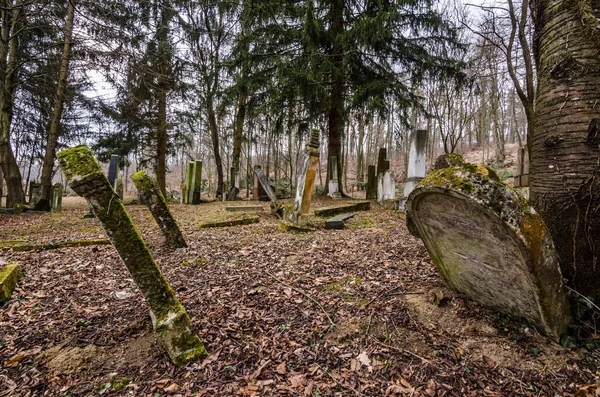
(371, 183)
(306, 178)
(157, 204)
(169, 318)
(386, 187)
(333, 185)
(264, 184)
(189, 174)
(415, 171)
(113, 170)
(35, 193)
(489, 244)
(383, 164)
(57, 194)
(234, 179)
(194, 185)
(258, 191)
(183, 197)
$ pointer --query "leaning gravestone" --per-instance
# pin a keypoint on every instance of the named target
(306, 178)
(489, 243)
(169, 318)
(157, 204)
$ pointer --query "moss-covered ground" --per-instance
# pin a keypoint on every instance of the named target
(260, 299)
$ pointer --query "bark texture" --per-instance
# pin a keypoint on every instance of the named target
(565, 177)
(169, 318)
(159, 209)
(9, 18)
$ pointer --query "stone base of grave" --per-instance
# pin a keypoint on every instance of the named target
(244, 208)
(331, 211)
(294, 227)
(488, 243)
(9, 276)
(337, 222)
(233, 222)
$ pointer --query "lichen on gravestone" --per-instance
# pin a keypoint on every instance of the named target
(9, 276)
(490, 244)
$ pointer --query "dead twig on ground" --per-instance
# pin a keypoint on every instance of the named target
(389, 291)
(403, 351)
(303, 294)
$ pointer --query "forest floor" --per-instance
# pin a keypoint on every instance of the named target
(353, 312)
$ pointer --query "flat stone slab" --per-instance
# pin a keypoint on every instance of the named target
(244, 208)
(23, 246)
(337, 222)
(8, 281)
(231, 222)
(341, 209)
(488, 243)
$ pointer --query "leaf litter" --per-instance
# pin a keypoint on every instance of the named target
(359, 311)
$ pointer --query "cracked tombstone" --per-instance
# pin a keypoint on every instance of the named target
(169, 318)
(333, 184)
(306, 178)
(159, 209)
(488, 243)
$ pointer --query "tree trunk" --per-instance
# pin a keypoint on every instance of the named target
(214, 135)
(360, 149)
(163, 82)
(336, 92)
(54, 132)
(8, 62)
(565, 151)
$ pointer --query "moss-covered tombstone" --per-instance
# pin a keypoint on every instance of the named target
(169, 318)
(8, 281)
(489, 243)
(154, 199)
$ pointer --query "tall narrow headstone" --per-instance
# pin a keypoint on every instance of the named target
(386, 187)
(306, 177)
(113, 169)
(416, 160)
(333, 185)
(57, 194)
(371, 183)
(169, 318)
(189, 174)
(195, 181)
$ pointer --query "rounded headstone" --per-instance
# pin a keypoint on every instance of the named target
(488, 243)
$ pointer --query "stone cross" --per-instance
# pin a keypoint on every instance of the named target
(113, 169)
(333, 183)
(169, 318)
(416, 160)
(371, 183)
(306, 177)
(489, 244)
(159, 209)
(383, 164)
(57, 194)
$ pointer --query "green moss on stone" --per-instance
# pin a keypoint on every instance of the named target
(78, 163)
(8, 280)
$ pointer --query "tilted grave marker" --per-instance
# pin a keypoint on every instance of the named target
(157, 204)
(169, 318)
(306, 178)
(489, 244)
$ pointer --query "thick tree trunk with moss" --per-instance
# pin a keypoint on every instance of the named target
(169, 317)
(9, 17)
(150, 191)
(565, 147)
(53, 133)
